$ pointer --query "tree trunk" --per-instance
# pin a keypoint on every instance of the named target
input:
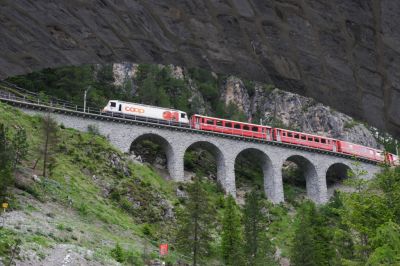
(45, 150)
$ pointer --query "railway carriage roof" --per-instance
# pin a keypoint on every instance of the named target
(307, 134)
(146, 105)
(238, 122)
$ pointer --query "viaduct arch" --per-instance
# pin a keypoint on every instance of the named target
(342, 53)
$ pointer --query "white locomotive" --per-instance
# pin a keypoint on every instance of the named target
(120, 108)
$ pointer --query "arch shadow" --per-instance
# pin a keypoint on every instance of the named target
(335, 175)
(310, 174)
(216, 153)
(261, 159)
(162, 144)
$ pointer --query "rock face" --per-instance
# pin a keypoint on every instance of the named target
(344, 54)
(267, 104)
(272, 106)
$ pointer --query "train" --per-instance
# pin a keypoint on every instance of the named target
(250, 130)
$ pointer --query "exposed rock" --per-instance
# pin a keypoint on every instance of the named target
(36, 178)
(343, 53)
(180, 193)
(234, 92)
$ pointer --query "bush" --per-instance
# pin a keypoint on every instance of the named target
(93, 129)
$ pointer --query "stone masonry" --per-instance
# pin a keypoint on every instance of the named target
(176, 142)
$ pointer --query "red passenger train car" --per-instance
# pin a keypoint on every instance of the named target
(362, 151)
(305, 139)
(231, 127)
(214, 124)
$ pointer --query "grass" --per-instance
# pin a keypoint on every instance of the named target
(80, 182)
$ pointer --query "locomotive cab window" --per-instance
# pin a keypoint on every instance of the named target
(113, 104)
(183, 115)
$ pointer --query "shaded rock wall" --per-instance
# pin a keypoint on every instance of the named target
(343, 53)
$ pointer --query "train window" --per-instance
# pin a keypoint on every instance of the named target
(228, 124)
(323, 141)
(255, 129)
(284, 133)
(303, 137)
(210, 122)
(183, 115)
(316, 139)
(309, 138)
(113, 104)
(296, 136)
(290, 134)
(237, 126)
(219, 123)
(246, 127)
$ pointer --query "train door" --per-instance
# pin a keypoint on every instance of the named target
(268, 133)
(197, 121)
(334, 147)
(120, 108)
(278, 134)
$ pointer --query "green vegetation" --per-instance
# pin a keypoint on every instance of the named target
(196, 223)
(232, 239)
(90, 193)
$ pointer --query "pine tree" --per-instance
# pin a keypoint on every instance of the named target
(20, 146)
(6, 162)
(196, 223)
(303, 248)
(231, 235)
(50, 139)
(257, 247)
(312, 244)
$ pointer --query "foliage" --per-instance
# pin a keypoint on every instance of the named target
(50, 140)
(196, 223)
(232, 235)
(20, 146)
(6, 162)
(257, 247)
(311, 243)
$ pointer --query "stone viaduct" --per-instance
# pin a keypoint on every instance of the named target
(176, 141)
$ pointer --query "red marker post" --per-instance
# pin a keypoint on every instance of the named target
(163, 249)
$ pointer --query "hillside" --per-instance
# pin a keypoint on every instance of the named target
(94, 198)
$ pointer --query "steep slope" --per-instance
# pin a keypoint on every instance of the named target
(93, 199)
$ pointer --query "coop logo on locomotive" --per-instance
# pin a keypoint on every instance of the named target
(134, 109)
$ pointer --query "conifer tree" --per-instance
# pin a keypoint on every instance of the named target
(20, 146)
(303, 249)
(232, 235)
(257, 247)
(6, 162)
(196, 223)
(50, 139)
